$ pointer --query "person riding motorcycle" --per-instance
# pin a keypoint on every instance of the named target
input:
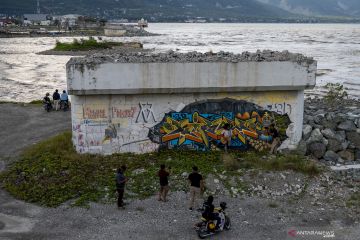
(209, 213)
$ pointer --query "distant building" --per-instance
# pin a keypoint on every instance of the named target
(143, 23)
(36, 19)
(70, 19)
(114, 30)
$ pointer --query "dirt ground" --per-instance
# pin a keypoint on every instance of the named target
(253, 218)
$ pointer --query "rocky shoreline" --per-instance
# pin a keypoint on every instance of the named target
(331, 133)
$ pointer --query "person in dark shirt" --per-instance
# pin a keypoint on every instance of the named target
(196, 184)
(208, 211)
(120, 185)
(56, 99)
(164, 182)
(275, 138)
(47, 102)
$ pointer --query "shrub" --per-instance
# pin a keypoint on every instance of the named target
(336, 93)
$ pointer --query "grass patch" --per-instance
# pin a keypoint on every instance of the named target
(36, 102)
(93, 44)
(354, 200)
(261, 160)
(52, 172)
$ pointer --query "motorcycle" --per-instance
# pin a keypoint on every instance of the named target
(64, 105)
(47, 106)
(207, 227)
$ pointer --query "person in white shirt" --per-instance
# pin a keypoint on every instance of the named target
(226, 135)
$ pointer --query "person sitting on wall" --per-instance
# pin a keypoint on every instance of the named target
(226, 136)
(275, 138)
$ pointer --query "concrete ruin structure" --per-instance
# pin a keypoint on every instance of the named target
(140, 102)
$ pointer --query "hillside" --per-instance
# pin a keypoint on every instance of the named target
(319, 7)
(161, 10)
(180, 10)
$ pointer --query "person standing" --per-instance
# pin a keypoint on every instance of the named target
(226, 135)
(196, 184)
(164, 182)
(120, 185)
(56, 99)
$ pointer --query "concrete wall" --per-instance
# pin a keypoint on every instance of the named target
(194, 77)
(117, 99)
(120, 123)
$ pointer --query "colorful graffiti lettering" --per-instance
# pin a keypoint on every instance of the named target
(205, 131)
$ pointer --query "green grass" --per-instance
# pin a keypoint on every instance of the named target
(261, 160)
(51, 172)
(85, 45)
(354, 200)
(35, 102)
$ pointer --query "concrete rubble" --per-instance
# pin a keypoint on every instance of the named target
(172, 56)
(332, 134)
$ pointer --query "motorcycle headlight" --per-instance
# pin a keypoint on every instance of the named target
(211, 226)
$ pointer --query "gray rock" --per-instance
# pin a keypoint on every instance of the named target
(315, 136)
(346, 155)
(357, 155)
(319, 126)
(318, 119)
(302, 148)
(306, 131)
(354, 138)
(328, 124)
(328, 133)
(331, 156)
(341, 136)
(357, 122)
(330, 116)
(347, 126)
(338, 119)
(334, 145)
(325, 141)
(345, 145)
(184, 174)
(317, 149)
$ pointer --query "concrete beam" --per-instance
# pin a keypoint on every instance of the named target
(193, 77)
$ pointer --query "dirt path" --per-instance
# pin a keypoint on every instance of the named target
(22, 126)
(251, 217)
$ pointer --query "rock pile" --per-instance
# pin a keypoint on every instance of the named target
(332, 134)
(172, 56)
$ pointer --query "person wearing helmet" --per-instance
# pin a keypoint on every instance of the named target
(209, 213)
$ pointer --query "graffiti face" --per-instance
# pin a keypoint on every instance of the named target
(200, 130)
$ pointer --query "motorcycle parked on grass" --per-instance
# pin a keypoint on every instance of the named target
(207, 227)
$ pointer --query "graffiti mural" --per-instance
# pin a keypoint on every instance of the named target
(200, 126)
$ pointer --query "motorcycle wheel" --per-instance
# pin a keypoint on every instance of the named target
(227, 225)
(203, 233)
